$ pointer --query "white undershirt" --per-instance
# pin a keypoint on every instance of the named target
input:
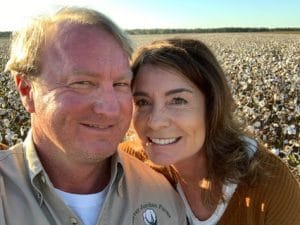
(228, 191)
(86, 206)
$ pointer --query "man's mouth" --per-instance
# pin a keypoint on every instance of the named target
(98, 126)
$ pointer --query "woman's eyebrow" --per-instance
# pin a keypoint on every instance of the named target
(178, 90)
(139, 93)
(170, 92)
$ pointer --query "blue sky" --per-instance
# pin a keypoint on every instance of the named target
(130, 14)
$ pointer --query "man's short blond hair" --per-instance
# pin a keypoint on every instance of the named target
(28, 43)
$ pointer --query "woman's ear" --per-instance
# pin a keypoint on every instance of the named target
(24, 87)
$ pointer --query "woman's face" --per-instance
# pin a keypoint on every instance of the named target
(169, 115)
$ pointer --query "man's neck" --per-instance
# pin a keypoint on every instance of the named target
(80, 178)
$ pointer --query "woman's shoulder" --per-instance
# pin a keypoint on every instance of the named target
(273, 198)
(276, 179)
(3, 146)
(135, 149)
(274, 164)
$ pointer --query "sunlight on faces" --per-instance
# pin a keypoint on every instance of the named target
(169, 115)
(25, 49)
(85, 113)
(19, 52)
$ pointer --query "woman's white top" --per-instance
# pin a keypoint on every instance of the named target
(228, 191)
(86, 206)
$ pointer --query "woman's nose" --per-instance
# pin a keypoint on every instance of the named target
(158, 119)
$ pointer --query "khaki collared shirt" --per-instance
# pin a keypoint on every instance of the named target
(136, 194)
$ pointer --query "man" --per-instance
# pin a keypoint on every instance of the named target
(73, 75)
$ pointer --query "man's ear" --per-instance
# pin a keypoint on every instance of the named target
(25, 89)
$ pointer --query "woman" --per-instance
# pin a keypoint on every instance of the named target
(184, 119)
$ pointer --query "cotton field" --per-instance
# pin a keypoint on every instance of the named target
(262, 68)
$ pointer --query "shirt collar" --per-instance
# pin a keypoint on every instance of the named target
(117, 172)
(34, 164)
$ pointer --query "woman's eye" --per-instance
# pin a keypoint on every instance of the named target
(179, 101)
(141, 102)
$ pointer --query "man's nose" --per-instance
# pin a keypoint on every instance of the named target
(107, 102)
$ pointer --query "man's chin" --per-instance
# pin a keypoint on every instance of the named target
(102, 148)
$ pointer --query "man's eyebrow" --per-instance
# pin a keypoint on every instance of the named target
(125, 75)
(171, 92)
(84, 72)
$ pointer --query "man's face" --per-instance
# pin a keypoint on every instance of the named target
(82, 100)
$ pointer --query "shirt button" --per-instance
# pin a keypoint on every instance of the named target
(39, 195)
(73, 221)
(43, 179)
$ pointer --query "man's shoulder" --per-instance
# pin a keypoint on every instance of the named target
(11, 159)
(137, 169)
(150, 190)
(15, 150)
(12, 163)
(130, 161)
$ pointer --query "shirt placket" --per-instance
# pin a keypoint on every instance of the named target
(52, 205)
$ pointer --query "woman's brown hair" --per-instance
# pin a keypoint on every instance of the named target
(229, 156)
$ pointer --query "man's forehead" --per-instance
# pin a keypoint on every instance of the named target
(79, 37)
(126, 74)
(68, 32)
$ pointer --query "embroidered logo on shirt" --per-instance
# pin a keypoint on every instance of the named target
(149, 217)
(150, 214)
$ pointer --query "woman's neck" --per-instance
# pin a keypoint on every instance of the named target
(194, 168)
(193, 175)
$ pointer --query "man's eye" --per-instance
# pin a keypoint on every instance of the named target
(141, 102)
(179, 101)
(121, 84)
(82, 84)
